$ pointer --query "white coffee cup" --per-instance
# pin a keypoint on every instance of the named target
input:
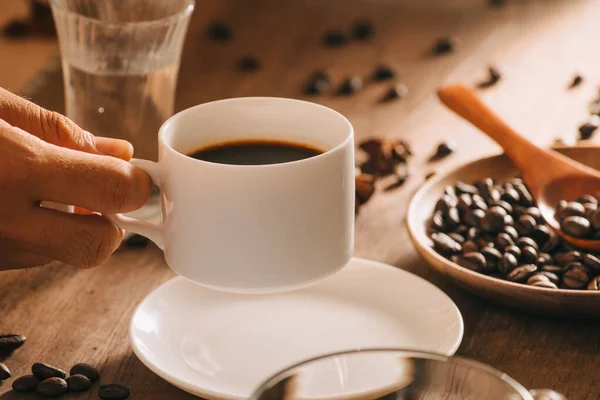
(256, 228)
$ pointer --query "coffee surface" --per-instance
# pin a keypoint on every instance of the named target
(255, 152)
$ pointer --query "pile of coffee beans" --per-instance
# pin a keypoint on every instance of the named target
(495, 228)
(580, 218)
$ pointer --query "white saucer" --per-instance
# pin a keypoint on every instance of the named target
(223, 346)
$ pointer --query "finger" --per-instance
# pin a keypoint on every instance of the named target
(15, 259)
(57, 129)
(97, 183)
(80, 240)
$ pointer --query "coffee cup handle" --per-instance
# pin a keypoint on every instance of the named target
(152, 231)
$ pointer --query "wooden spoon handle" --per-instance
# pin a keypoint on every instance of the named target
(465, 103)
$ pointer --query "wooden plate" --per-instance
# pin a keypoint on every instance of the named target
(529, 298)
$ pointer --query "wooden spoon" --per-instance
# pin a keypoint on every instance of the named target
(550, 176)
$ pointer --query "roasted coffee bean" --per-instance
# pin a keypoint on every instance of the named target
(512, 232)
(113, 392)
(503, 204)
(576, 81)
(519, 210)
(541, 234)
(384, 73)
(437, 221)
(350, 86)
(555, 269)
(483, 242)
(364, 187)
(529, 255)
(514, 250)
(535, 213)
(52, 387)
(510, 196)
(509, 221)
(571, 209)
(219, 31)
(544, 258)
(316, 87)
(595, 220)
(4, 372)
(537, 277)
(590, 209)
(587, 129)
(334, 38)
(44, 371)
(591, 261)
(497, 3)
(474, 217)
(457, 237)
(507, 263)
(576, 276)
(452, 220)
(78, 383)
(363, 30)
(568, 257)
(547, 285)
(11, 341)
(525, 197)
(444, 244)
(594, 284)
(445, 45)
(521, 273)
(86, 370)
(525, 241)
(551, 244)
(465, 188)
(493, 221)
(462, 230)
(479, 203)
(578, 227)
(492, 258)
(473, 261)
(17, 29)
(137, 241)
(473, 233)
(493, 77)
(464, 203)
(469, 246)
(551, 276)
(587, 198)
(395, 92)
(249, 64)
(25, 384)
(503, 240)
(525, 224)
(444, 149)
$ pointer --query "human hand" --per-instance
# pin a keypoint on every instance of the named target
(46, 157)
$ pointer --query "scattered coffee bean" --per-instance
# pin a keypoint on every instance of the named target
(473, 261)
(25, 384)
(86, 370)
(576, 276)
(113, 392)
(521, 273)
(17, 29)
(445, 45)
(52, 387)
(443, 150)
(384, 73)
(576, 81)
(78, 383)
(587, 129)
(249, 64)
(594, 284)
(384, 155)
(11, 341)
(318, 83)
(363, 30)
(219, 31)
(4, 372)
(44, 371)
(334, 38)
(493, 77)
(578, 227)
(350, 86)
(365, 187)
(497, 3)
(137, 241)
(397, 91)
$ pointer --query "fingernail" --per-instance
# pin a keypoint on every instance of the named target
(115, 147)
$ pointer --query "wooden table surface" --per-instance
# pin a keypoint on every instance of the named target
(74, 315)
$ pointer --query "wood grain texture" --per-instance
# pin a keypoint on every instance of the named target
(71, 316)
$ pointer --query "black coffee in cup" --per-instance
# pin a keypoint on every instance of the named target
(255, 152)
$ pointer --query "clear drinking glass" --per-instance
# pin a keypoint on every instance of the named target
(120, 62)
(393, 374)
